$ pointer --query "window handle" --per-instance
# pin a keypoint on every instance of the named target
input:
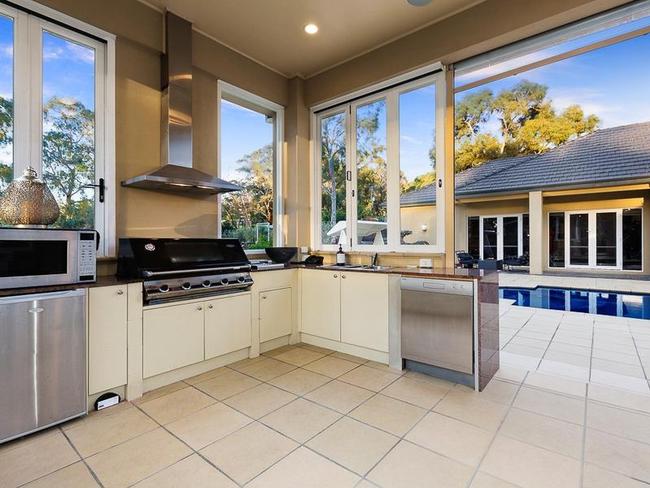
(102, 189)
(348, 175)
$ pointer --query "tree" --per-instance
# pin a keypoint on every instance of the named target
(527, 124)
(242, 211)
(6, 137)
(69, 159)
(333, 160)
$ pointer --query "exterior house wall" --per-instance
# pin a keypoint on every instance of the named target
(421, 221)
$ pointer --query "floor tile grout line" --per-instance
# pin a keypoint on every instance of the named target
(636, 348)
(186, 444)
(496, 432)
(83, 460)
(584, 437)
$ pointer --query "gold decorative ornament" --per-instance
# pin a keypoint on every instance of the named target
(28, 201)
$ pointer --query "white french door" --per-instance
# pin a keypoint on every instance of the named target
(594, 239)
(500, 236)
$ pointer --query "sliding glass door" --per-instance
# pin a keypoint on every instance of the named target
(497, 237)
(601, 239)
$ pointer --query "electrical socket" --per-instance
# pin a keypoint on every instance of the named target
(426, 263)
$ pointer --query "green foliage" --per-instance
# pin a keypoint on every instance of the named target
(69, 159)
(333, 159)
(243, 211)
(527, 121)
(6, 137)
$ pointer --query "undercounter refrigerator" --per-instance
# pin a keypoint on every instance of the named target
(42, 361)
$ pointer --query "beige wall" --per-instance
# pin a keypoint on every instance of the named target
(138, 47)
(413, 218)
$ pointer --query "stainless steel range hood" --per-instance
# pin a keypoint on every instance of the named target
(176, 173)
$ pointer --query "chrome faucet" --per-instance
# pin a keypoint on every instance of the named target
(373, 263)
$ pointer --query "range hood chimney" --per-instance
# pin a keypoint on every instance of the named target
(176, 173)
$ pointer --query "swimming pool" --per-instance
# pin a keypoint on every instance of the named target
(589, 301)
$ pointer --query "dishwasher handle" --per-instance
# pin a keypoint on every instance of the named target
(448, 287)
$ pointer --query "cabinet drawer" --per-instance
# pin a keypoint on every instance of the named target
(107, 338)
(172, 338)
(275, 313)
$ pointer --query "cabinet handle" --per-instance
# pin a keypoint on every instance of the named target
(199, 308)
(120, 292)
(210, 307)
(336, 276)
(263, 297)
(343, 276)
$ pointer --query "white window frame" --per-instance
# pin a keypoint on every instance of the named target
(592, 242)
(28, 101)
(227, 89)
(499, 217)
(391, 95)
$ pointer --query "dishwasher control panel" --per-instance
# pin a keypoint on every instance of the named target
(449, 287)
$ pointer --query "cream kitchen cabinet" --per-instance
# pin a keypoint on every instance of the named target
(107, 338)
(344, 306)
(173, 337)
(275, 310)
(321, 303)
(227, 325)
(364, 310)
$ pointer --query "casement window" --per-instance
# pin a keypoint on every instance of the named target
(56, 113)
(600, 239)
(378, 170)
(250, 155)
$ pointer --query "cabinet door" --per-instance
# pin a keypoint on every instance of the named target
(321, 303)
(227, 325)
(172, 337)
(364, 310)
(275, 314)
(107, 330)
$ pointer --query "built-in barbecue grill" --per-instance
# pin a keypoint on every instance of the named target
(182, 269)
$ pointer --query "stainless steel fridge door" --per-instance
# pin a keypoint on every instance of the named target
(43, 361)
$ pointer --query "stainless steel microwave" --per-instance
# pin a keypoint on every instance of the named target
(43, 257)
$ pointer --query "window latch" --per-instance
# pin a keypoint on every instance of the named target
(348, 175)
(439, 182)
(102, 189)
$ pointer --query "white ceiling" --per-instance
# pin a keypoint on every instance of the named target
(271, 31)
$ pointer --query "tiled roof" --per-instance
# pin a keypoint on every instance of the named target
(607, 155)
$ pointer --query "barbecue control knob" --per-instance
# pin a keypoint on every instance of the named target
(163, 288)
(224, 281)
(186, 286)
(206, 284)
(241, 279)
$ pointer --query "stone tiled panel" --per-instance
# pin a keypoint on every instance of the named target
(488, 328)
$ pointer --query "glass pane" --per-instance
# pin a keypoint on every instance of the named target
(247, 155)
(6, 101)
(371, 173)
(579, 239)
(510, 237)
(473, 238)
(417, 160)
(632, 239)
(556, 240)
(525, 234)
(490, 238)
(69, 128)
(606, 239)
(333, 161)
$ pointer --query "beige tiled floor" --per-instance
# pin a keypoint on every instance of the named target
(339, 421)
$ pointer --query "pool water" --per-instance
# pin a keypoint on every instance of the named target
(588, 301)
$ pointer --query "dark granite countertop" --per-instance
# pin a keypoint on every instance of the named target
(101, 281)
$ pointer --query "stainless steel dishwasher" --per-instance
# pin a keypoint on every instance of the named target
(42, 361)
(437, 327)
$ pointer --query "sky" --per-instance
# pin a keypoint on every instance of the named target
(242, 132)
(68, 71)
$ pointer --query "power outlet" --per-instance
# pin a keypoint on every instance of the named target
(426, 263)
(304, 250)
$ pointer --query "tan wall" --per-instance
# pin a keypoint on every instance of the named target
(138, 48)
(413, 218)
